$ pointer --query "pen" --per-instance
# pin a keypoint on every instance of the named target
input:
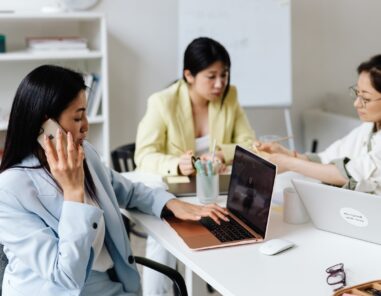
(209, 167)
(216, 167)
(194, 159)
(281, 139)
(199, 167)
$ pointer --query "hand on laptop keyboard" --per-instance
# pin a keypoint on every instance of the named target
(188, 211)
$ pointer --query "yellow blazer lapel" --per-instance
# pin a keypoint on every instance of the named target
(185, 119)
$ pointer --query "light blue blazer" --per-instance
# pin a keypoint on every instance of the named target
(48, 241)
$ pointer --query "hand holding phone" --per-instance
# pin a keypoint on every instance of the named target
(65, 160)
(50, 128)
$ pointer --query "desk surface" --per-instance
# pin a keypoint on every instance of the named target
(243, 270)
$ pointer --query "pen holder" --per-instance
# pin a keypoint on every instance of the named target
(207, 188)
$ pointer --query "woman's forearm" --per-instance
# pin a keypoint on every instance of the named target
(327, 173)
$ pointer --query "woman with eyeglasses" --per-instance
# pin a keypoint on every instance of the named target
(353, 162)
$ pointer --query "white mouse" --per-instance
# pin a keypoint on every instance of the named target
(275, 246)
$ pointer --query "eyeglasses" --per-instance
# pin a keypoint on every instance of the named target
(355, 95)
(336, 276)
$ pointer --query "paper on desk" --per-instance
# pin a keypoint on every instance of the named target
(177, 179)
(148, 179)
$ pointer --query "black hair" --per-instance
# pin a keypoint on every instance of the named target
(203, 52)
(373, 67)
(44, 93)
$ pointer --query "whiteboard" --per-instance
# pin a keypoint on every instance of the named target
(257, 35)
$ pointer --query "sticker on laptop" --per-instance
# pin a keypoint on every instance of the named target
(354, 217)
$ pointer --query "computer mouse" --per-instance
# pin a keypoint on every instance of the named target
(275, 246)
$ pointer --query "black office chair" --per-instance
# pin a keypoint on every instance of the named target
(123, 161)
(3, 264)
(123, 158)
(175, 276)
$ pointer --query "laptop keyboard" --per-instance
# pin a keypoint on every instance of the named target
(226, 231)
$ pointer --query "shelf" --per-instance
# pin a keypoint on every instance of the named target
(19, 60)
(38, 16)
(96, 119)
(50, 55)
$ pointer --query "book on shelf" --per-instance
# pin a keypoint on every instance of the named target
(56, 43)
(93, 92)
(88, 78)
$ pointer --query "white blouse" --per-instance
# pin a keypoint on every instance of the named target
(102, 259)
(202, 145)
(362, 147)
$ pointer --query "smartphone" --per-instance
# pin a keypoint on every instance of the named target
(49, 128)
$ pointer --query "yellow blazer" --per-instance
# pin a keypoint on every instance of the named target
(168, 122)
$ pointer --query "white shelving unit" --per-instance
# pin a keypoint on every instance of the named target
(18, 61)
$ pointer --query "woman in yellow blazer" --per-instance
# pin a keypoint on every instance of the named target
(187, 117)
(184, 120)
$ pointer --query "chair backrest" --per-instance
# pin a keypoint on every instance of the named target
(123, 158)
(3, 264)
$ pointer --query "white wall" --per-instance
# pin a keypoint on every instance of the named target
(142, 43)
(351, 33)
(24, 5)
(143, 59)
(329, 40)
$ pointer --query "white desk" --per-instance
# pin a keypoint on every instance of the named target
(242, 270)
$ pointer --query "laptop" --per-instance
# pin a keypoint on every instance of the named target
(189, 189)
(248, 203)
(346, 212)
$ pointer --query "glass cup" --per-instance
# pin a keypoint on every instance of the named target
(207, 188)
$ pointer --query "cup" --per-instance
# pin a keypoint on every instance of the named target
(207, 188)
(294, 211)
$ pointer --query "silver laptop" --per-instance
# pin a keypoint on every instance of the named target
(346, 212)
(248, 203)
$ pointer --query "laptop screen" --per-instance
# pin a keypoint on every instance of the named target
(251, 188)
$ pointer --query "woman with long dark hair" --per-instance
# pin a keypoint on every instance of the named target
(60, 222)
